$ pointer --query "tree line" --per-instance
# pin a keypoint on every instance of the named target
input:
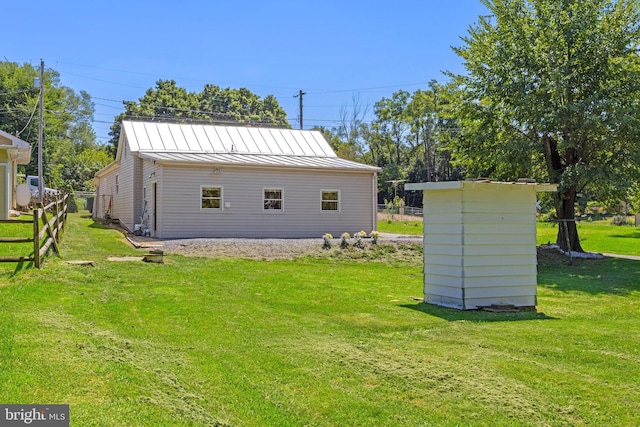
(71, 155)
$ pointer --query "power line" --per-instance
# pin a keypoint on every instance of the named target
(30, 118)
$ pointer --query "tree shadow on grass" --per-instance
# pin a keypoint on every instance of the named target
(455, 315)
(635, 235)
(615, 276)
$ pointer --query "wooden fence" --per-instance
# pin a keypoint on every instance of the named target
(48, 222)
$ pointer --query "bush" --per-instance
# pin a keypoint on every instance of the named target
(73, 207)
(620, 220)
(547, 216)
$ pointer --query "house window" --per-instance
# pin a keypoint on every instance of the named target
(117, 184)
(330, 200)
(272, 199)
(211, 198)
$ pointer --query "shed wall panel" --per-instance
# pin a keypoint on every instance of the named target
(499, 228)
(443, 280)
(502, 291)
(499, 281)
(481, 238)
(443, 291)
(500, 270)
(446, 260)
(493, 260)
(443, 250)
(444, 218)
(442, 239)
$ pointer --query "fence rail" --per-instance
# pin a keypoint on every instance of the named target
(405, 210)
(48, 223)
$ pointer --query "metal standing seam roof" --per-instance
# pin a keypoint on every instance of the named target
(234, 145)
(256, 160)
(190, 138)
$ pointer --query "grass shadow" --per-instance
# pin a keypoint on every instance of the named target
(635, 235)
(455, 315)
(20, 267)
(100, 225)
(615, 276)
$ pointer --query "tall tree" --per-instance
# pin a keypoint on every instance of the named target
(170, 102)
(552, 90)
(67, 117)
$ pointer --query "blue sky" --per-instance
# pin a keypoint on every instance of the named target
(335, 51)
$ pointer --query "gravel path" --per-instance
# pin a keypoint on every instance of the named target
(255, 248)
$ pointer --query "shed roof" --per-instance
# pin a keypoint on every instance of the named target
(260, 160)
(232, 145)
(459, 185)
(191, 138)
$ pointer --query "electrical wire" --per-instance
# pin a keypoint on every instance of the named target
(30, 118)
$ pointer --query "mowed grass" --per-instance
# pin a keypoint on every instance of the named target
(412, 228)
(17, 230)
(597, 236)
(330, 341)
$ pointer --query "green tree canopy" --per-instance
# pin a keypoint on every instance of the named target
(169, 102)
(68, 135)
(552, 92)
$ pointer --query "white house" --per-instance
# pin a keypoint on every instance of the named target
(187, 181)
(13, 152)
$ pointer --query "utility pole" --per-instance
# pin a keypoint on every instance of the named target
(40, 128)
(300, 94)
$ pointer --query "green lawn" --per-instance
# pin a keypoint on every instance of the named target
(412, 228)
(598, 236)
(17, 230)
(327, 341)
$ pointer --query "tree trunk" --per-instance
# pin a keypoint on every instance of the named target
(565, 203)
(567, 231)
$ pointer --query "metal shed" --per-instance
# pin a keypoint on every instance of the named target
(480, 243)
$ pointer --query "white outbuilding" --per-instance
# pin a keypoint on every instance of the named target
(187, 180)
(13, 152)
(480, 243)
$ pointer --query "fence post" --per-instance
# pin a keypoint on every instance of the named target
(36, 237)
(56, 224)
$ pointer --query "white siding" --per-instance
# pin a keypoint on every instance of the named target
(243, 215)
(119, 191)
(479, 244)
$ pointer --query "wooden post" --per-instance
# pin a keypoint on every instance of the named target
(36, 237)
(56, 224)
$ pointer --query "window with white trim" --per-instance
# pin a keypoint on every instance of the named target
(272, 199)
(117, 184)
(211, 198)
(330, 200)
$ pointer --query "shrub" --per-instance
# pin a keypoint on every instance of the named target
(73, 206)
(620, 220)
